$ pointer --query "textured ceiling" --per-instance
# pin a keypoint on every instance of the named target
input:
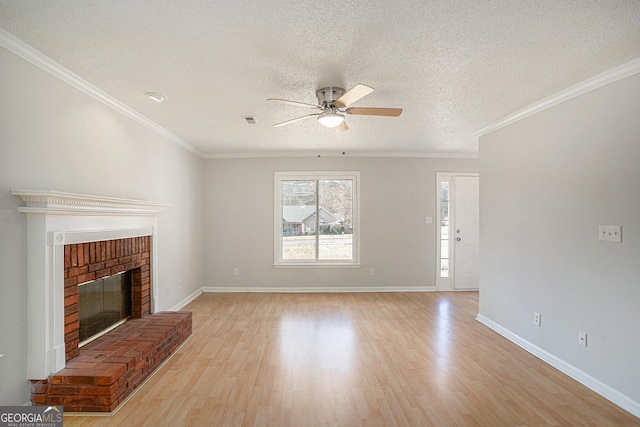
(453, 66)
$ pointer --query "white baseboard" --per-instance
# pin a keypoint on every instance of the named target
(582, 377)
(323, 289)
(186, 301)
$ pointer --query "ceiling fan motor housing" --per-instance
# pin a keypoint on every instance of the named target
(329, 95)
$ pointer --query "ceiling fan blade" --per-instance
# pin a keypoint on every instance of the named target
(357, 92)
(297, 104)
(388, 112)
(341, 127)
(295, 120)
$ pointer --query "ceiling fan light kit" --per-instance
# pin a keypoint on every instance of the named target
(331, 119)
(334, 104)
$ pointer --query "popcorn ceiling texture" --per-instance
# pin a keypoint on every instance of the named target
(454, 66)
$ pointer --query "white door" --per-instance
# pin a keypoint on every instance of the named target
(466, 232)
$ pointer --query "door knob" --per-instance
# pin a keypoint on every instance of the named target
(458, 239)
(458, 231)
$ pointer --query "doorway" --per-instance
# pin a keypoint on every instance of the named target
(457, 233)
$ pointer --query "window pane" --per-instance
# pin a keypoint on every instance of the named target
(444, 249)
(444, 230)
(444, 268)
(444, 210)
(335, 224)
(298, 219)
(444, 191)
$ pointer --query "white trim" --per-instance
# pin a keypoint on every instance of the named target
(60, 203)
(278, 177)
(73, 237)
(186, 301)
(582, 377)
(338, 153)
(323, 289)
(615, 74)
(319, 264)
(20, 48)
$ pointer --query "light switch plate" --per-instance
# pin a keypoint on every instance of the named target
(428, 220)
(610, 233)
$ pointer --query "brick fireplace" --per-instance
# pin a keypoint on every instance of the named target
(72, 239)
(88, 261)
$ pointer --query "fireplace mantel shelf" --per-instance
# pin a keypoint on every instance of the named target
(60, 203)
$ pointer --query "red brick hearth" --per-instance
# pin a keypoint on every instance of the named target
(109, 369)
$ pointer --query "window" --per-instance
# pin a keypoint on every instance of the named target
(316, 219)
(445, 222)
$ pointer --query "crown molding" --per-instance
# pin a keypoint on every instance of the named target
(59, 203)
(20, 48)
(625, 70)
(338, 153)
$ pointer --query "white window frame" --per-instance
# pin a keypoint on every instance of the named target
(444, 283)
(277, 222)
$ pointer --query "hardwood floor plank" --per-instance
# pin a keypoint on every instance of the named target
(363, 359)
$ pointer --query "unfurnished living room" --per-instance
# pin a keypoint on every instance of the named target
(303, 213)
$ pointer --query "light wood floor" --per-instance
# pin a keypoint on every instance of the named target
(387, 359)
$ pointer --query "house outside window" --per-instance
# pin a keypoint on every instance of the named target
(316, 219)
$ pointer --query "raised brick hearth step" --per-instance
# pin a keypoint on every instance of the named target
(108, 369)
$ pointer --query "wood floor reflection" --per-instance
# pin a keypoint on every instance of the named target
(374, 359)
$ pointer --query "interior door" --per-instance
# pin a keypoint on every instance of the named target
(466, 232)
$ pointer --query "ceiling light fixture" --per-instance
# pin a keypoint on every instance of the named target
(331, 119)
(158, 97)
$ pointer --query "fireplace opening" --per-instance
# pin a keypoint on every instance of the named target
(103, 305)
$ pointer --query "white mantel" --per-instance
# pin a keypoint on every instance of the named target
(55, 219)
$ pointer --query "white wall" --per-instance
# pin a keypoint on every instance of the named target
(396, 196)
(546, 184)
(54, 137)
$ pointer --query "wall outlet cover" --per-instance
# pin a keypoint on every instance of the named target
(610, 233)
(537, 318)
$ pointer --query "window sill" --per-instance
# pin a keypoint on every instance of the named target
(316, 265)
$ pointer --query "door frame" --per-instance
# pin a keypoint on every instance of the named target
(447, 283)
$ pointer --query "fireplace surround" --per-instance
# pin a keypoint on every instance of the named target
(56, 222)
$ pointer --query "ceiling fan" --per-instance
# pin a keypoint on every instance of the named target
(334, 102)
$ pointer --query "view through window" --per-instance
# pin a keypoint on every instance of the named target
(316, 218)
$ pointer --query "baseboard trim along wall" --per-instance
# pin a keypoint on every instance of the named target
(186, 301)
(319, 289)
(582, 377)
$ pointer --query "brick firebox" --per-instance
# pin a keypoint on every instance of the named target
(84, 262)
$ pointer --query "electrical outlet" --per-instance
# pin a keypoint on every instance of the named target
(610, 233)
(167, 289)
(428, 220)
(537, 318)
(236, 271)
(179, 284)
(371, 272)
(582, 338)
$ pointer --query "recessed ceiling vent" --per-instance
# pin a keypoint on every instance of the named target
(250, 120)
(155, 96)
